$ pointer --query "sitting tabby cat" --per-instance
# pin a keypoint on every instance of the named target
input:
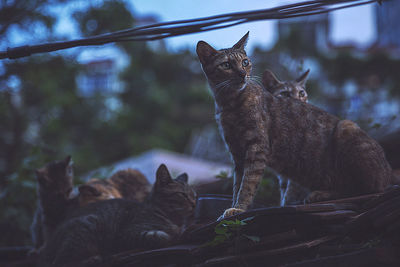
(294, 89)
(55, 183)
(291, 192)
(128, 184)
(333, 158)
(106, 227)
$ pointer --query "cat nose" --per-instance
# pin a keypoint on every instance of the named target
(242, 73)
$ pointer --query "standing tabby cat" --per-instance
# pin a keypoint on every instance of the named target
(291, 192)
(55, 183)
(332, 158)
(104, 228)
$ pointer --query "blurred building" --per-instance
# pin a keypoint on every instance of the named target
(311, 30)
(387, 24)
(199, 170)
(99, 76)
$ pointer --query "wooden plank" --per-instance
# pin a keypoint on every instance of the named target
(268, 253)
(334, 215)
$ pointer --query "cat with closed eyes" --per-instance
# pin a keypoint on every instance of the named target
(98, 230)
(331, 157)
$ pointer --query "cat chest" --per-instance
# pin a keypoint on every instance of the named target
(241, 131)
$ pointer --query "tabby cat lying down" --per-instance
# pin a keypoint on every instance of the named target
(54, 185)
(128, 184)
(101, 229)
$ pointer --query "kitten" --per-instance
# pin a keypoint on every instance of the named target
(291, 192)
(55, 183)
(104, 228)
(128, 184)
(332, 158)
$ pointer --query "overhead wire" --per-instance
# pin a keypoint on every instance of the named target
(169, 29)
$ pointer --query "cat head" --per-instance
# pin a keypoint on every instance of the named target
(173, 196)
(56, 177)
(226, 67)
(294, 89)
(96, 190)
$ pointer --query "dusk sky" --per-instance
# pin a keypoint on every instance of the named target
(354, 25)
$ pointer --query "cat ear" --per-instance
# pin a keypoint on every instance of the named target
(269, 80)
(88, 190)
(303, 78)
(162, 176)
(242, 42)
(68, 160)
(204, 51)
(182, 178)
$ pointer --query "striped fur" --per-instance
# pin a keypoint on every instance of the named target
(332, 158)
(128, 184)
(54, 185)
(291, 192)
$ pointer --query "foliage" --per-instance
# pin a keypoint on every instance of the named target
(100, 20)
(229, 230)
(222, 175)
(18, 201)
(45, 117)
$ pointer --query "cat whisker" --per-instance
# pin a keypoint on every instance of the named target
(221, 84)
(223, 87)
(256, 79)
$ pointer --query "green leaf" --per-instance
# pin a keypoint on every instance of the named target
(226, 222)
(219, 239)
(221, 230)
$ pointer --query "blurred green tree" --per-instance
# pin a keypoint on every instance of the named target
(45, 117)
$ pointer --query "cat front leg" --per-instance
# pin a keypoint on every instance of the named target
(237, 181)
(295, 194)
(283, 184)
(254, 167)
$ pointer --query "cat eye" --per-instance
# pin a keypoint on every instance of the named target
(302, 94)
(225, 65)
(245, 62)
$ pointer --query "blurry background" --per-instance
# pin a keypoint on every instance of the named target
(113, 103)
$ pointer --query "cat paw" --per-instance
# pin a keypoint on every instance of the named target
(155, 238)
(230, 212)
(35, 252)
(318, 196)
(93, 261)
(156, 234)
